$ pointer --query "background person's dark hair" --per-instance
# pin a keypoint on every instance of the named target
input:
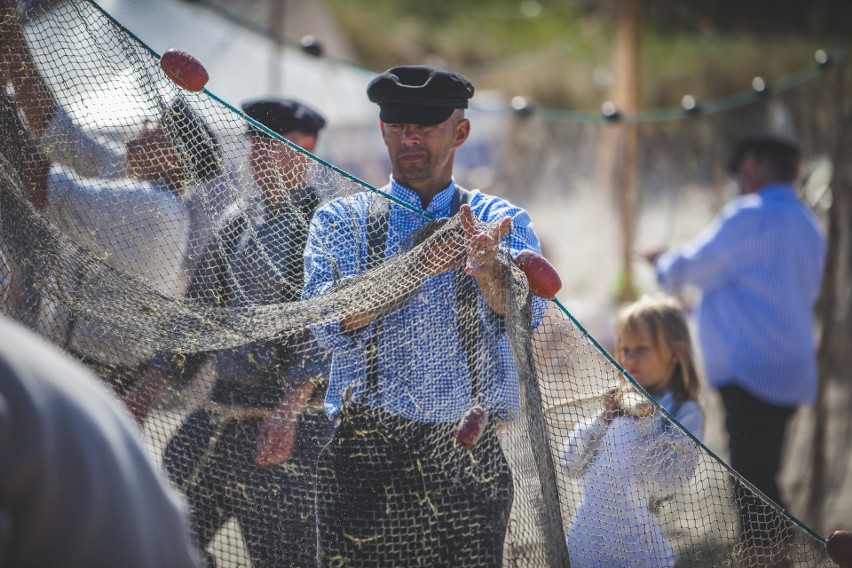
(197, 144)
(782, 154)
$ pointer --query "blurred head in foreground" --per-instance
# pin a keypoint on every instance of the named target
(761, 159)
(77, 487)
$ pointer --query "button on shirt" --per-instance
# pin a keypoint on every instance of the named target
(423, 373)
(759, 267)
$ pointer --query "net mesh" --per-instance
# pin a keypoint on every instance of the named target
(138, 234)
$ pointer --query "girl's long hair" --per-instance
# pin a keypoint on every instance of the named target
(664, 319)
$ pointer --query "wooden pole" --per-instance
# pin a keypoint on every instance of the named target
(626, 97)
(827, 356)
(277, 20)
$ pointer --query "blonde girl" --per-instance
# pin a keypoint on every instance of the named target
(631, 457)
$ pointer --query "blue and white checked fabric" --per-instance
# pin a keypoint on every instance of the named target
(423, 373)
(759, 267)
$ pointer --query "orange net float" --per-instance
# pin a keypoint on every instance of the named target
(543, 278)
(839, 548)
(184, 70)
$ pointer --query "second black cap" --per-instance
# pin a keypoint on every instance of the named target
(284, 115)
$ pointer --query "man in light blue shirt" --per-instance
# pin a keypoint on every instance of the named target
(394, 487)
(759, 268)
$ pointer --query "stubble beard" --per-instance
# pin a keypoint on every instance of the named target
(411, 173)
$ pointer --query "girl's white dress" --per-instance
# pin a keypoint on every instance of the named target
(623, 466)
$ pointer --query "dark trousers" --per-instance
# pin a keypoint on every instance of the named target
(397, 493)
(756, 431)
(212, 461)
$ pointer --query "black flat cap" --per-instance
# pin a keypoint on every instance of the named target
(418, 94)
(283, 115)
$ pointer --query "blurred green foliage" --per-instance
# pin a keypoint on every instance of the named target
(559, 53)
(810, 17)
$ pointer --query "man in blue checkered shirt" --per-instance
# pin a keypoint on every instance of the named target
(394, 487)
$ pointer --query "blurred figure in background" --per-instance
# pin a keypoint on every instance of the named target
(759, 268)
(77, 487)
(149, 210)
(249, 452)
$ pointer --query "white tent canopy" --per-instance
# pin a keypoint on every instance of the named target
(239, 60)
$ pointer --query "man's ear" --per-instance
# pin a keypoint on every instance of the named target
(309, 142)
(462, 131)
(749, 163)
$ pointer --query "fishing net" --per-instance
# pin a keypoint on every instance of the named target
(137, 235)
